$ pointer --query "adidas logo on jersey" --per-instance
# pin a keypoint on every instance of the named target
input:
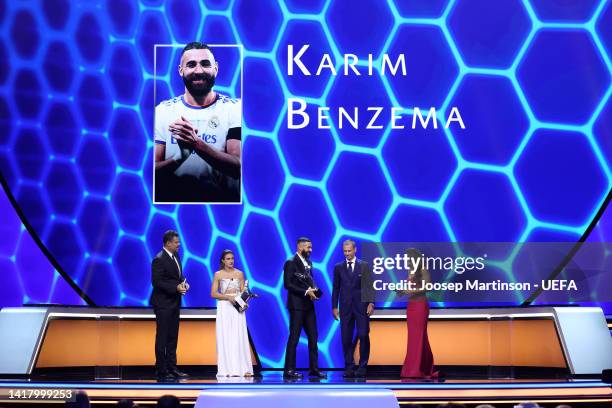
(210, 139)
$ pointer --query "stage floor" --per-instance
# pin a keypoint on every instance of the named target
(549, 391)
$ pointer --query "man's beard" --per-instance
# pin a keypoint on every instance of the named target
(305, 254)
(197, 90)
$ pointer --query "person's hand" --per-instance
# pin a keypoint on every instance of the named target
(336, 314)
(311, 293)
(185, 286)
(180, 288)
(231, 297)
(183, 153)
(370, 309)
(184, 131)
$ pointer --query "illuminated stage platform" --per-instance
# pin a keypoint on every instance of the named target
(515, 339)
(498, 392)
(495, 355)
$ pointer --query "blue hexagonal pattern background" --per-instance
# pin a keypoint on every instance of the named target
(77, 86)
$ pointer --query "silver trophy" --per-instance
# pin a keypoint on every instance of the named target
(241, 301)
(308, 280)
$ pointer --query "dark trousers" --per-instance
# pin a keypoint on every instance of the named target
(298, 319)
(166, 339)
(348, 322)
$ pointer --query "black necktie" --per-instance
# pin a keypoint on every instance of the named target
(350, 266)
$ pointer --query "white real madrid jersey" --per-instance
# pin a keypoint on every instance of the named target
(213, 122)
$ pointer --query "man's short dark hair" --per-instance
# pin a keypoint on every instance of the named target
(169, 236)
(125, 403)
(168, 401)
(303, 239)
(195, 45)
(81, 400)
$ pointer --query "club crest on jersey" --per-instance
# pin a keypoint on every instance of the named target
(213, 123)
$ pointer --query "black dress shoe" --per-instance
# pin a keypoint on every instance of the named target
(179, 374)
(348, 374)
(292, 375)
(360, 373)
(316, 374)
(166, 378)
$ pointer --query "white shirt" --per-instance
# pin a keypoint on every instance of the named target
(213, 123)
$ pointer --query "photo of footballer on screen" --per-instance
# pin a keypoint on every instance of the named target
(198, 137)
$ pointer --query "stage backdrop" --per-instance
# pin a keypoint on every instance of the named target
(532, 80)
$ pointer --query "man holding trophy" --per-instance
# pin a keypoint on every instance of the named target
(169, 285)
(302, 291)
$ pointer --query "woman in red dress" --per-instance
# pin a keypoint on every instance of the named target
(419, 358)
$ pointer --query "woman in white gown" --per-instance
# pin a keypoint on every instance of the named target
(233, 348)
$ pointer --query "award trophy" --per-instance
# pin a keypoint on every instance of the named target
(241, 301)
(307, 279)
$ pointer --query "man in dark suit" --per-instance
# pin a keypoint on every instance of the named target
(355, 308)
(301, 294)
(169, 285)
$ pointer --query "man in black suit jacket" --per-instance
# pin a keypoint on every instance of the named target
(355, 308)
(301, 294)
(169, 285)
